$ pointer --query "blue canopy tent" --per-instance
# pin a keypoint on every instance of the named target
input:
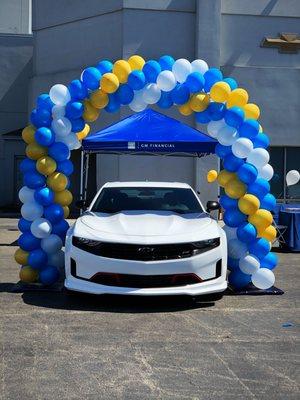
(147, 132)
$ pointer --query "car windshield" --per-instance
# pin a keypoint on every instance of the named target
(178, 200)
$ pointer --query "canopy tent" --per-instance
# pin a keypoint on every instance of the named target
(147, 132)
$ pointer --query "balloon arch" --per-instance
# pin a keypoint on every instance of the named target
(61, 120)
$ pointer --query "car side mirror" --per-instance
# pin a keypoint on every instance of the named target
(81, 204)
(212, 205)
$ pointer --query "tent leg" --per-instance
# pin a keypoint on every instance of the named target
(81, 175)
(86, 175)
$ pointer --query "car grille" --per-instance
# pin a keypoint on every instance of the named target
(139, 252)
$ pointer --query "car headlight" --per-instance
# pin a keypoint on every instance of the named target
(84, 243)
(205, 245)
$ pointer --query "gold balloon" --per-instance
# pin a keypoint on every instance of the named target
(57, 181)
(109, 82)
(21, 256)
(46, 165)
(225, 176)
(248, 204)
(185, 109)
(238, 97)
(28, 274)
(211, 176)
(251, 111)
(34, 151)
(261, 219)
(269, 233)
(64, 198)
(136, 62)
(235, 189)
(99, 99)
(220, 92)
(199, 102)
(66, 211)
(90, 113)
(28, 134)
(85, 131)
(122, 69)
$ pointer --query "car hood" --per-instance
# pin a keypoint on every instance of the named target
(146, 227)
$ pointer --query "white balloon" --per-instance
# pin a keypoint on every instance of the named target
(71, 141)
(59, 94)
(236, 248)
(213, 127)
(51, 244)
(138, 103)
(266, 172)
(181, 69)
(230, 232)
(41, 228)
(32, 210)
(199, 66)
(151, 93)
(26, 195)
(58, 112)
(166, 81)
(249, 264)
(242, 147)
(292, 177)
(263, 278)
(258, 157)
(57, 259)
(61, 126)
(227, 135)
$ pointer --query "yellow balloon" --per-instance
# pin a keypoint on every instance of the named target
(238, 97)
(64, 198)
(21, 256)
(122, 69)
(261, 219)
(220, 92)
(34, 151)
(269, 233)
(251, 111)
(85, 131)
(235, 189)
(109, 82)
(225, 176)
(28, 134)
(211, 176)
(199, 102)
(99, 99)
(57, 181)
(185, 109)
(248, 204)
(66, 211)
(90, 113)
(46, 165)
(28, 274)
(136, 62)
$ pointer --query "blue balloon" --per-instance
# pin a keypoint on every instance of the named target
(34, 180)
(105, 66)
(59, 151)
(238, 279)
(203, 117)
(233, 217)
(27, 165)
(40, 117)
(232, 163)
(249, 129)
(165, 100)
(44, 136)
(44, 196)
(91, 78)
(60, 228)
(54, 213)
(261, 140)
(28, 242)
(66, 167)
(222, 151)
(151, 69)
(246, 232)
(233, 264)
(48, 275)
(37, 258)
(195, 82)
(269, 261)
(211, 76)
(227, 202)
(259, 248)
(44, 101)
(74, 109)
(234, 116)
(166, 62)
(113, 104)
(77, 124)
(180, 94)
(68, 185)
(77, 90)
(216, 111)
(24, 225)
(268, 202)
(260, 187)
(231, 82)
(247, 173)
(136, 80)
(125, 94)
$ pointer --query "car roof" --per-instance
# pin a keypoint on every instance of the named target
(148, 184)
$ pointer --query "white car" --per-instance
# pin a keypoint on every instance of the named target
(146, 238)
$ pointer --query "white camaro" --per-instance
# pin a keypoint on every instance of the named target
(146, 238)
